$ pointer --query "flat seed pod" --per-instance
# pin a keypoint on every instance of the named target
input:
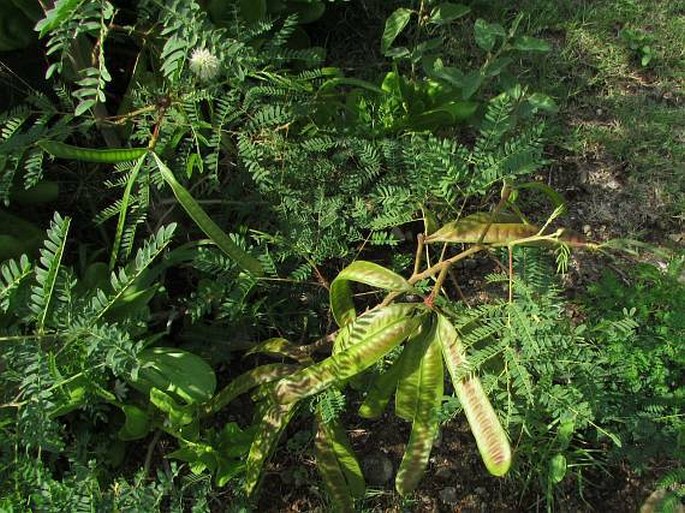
(382, 388)
(108, 156)
(425, 425)
(372, 336)
(282, 347)
(247, 381)
(342, 339)
(490, 436)
(408, 385)
(205, 223)
(338, 466)
(274, 421)
(368, 273)
(504, 228)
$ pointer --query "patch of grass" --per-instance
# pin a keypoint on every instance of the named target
(621, 120)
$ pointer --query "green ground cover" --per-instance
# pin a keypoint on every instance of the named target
(294, 255)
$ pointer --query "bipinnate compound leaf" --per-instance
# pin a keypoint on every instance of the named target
(394, 25)
(364, 272)
(408, 385)
(247, 381)
(372, 336)
(274, 421)
(425, 423)
(205, 223)
(490, 436)
(338, 466)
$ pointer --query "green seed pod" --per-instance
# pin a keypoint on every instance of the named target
(108, 156)
(504, 228)
(274, 421)
(490, 436)
(408, 386)
(425, 425)
(372, 336)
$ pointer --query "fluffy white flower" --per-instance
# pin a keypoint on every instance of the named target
(204, 64)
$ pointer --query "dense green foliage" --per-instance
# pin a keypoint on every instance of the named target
(223, 184)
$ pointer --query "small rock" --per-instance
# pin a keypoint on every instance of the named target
(480, 491)
(470, 263)
(377, 468)
(587, 229)
(444, 473)
(448, 495)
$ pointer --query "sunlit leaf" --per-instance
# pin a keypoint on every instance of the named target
(425, 419)
(394, 25)
(274, 421)
(368, 273)
(372, 336)
(486, 428)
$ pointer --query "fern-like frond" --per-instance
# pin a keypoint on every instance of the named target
(47, 269)
(12, 273)
(122, 279)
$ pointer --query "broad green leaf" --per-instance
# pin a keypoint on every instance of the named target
(200, 456)
(177, 372)
(108, 156)
(504, 228)
(394, 26)
(425, 425)
(372, 336)
(408, 385)
(447, 12)
(471, 82)
(137, 425)
(274, 421)
(486, 34)
(497, 66)
(491, 439)
(449, 74)
(247, 381)
(368, 273)
(557, 468)
(531, 44)
(338, 466)
(179, 415)
(205, 223)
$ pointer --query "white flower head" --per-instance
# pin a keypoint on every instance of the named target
(204, 64)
